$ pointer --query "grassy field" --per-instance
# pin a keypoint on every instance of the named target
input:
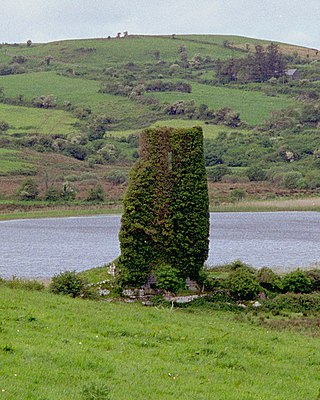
(11, 163)
(36, 120)
(254, 107)
(81, 93)
(133, 49)
(59, 348)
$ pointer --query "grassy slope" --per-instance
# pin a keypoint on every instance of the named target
(254, 107)
(35, 120)
(52, 347)
(80, 92)
(11, 162)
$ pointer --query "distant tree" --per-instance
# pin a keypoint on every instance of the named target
(125, 34)
(118, 35)
(4, 126)
(29, 43)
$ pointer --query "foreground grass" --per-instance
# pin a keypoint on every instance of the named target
(53, 347)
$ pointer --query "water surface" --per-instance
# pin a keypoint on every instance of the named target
(44, 247)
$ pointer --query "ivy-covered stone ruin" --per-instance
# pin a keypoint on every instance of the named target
(166, 219)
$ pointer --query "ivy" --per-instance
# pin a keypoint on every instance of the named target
(166, 218)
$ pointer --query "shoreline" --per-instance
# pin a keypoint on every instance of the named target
(301, 204)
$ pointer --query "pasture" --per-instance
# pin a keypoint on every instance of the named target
(55, 347)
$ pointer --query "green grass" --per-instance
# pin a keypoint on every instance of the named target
(209, 131)
(11, 163)
(81, 92)
(52, 347)
(134, 49)
(254, 107)
(36, 120)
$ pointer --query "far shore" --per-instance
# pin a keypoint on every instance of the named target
(293, 204)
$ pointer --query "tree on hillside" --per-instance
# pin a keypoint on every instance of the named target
(166, 219)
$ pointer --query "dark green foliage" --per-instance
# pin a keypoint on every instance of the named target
(52, 194)
(28, 190)
(293, 302)
(314, 276)
(269, 280)
(71, 284)
(297, 282)
(96, 194)
(168, 278)
(4, 126)
(243, 284)
(256, 173)
(217, 172)
(166, 220)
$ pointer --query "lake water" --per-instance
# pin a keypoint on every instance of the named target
(44, 247)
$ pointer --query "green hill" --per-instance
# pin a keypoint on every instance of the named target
(88, 99)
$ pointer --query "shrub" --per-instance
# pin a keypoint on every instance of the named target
(237, 195)
(256, 173)
(314, 276)
(269, 280)
(116, 176)
(168, 279)
(28, 190)
(243, 285)
(292, 180)
(4, 126)
(68, 191)
(96, 194)
(297, 282)
(71, 284)
(293, 302)
(216, 172)
(52, 194)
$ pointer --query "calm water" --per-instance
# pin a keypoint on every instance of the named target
(43, 247)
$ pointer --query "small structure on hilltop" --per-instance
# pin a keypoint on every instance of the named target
(166, 218)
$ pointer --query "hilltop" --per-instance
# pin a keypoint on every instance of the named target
(83, 102)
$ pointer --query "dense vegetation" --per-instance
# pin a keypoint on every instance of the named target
(166, 220)
(88, 100)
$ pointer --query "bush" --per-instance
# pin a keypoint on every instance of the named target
(292, 180)
(314, 276)
(116, 176)
(28, 190)
(237, 195)
(52, 194)
(297, 282)
(269, 280)
(216, 172)
(71, 284)
(18, 283)
(293, 302)
(96, 194)
(168, 279)
(256, 173)
(4, 126)
(243, 284)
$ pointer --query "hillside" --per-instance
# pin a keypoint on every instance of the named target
(86, 101)
(61, 348)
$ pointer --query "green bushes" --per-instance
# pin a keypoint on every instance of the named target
(243, 284)
(71, 284)
(297, 282)
(169, 278)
